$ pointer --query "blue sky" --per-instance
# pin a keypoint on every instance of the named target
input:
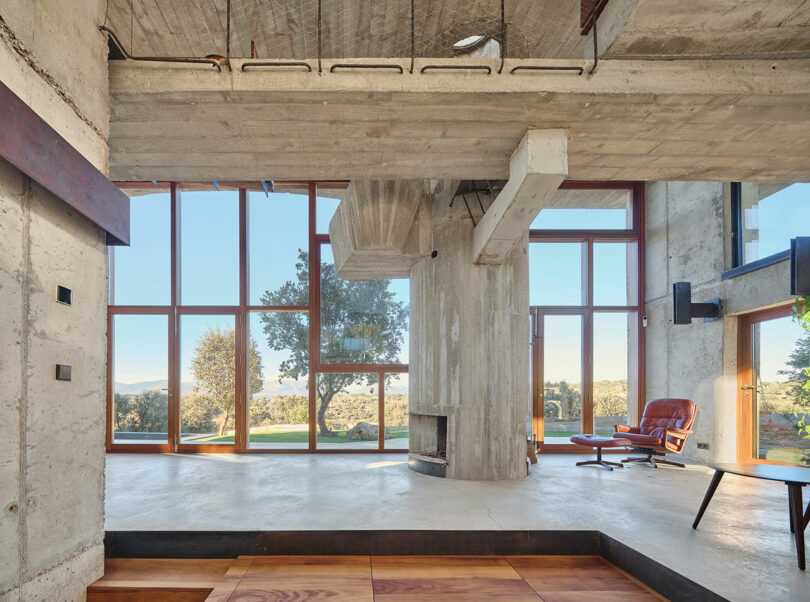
(782, 216)
(777, 339)
(278, 228)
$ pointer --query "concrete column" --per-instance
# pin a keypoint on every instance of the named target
(469, 357)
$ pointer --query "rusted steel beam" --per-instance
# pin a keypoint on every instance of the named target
(39, 152)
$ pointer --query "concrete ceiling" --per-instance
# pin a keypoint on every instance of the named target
(350, 28)
(693, 116)
(630, 120)
(535, 28)
(697, 28)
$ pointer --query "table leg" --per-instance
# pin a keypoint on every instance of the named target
(795, 497)
(807, 515)
(718, 474)
(790, 513)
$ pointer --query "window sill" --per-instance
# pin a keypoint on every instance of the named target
(755, 265)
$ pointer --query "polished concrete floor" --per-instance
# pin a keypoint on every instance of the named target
(743, 549)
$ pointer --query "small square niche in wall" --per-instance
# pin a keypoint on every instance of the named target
(64, 295)
(62, 372)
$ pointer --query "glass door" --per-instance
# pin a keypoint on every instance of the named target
(586, 298)
(209, 382)
(560, 387)
(773, 358)
(138, 381)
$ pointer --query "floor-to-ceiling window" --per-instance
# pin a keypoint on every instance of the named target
(230, 330)
(586, 291)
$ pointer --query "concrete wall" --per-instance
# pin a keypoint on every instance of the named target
(51, 432)
(53, 56)
(688, 239)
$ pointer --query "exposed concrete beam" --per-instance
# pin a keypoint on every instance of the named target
(632, 120)
(537, 168)
(745, 77)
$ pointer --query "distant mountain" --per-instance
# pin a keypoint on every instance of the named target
(287, 387)
(271, 387)
(148, 385)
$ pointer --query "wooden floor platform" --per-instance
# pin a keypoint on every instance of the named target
(368, 578)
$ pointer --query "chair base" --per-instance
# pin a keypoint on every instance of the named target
(600, 461)
(648, 459)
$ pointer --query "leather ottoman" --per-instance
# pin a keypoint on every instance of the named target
(599, 443)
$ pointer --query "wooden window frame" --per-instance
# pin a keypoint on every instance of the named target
(241, 313)
(745, 407)
(634, 234)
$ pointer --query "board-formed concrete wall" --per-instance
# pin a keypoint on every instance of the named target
(687, 239)
(52, 432)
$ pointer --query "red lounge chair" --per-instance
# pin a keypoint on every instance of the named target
(663, 430)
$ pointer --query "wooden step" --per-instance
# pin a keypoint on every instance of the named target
(368, 578)
(154, 579)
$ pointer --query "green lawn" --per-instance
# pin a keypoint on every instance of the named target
(296, 437)
(567, 434)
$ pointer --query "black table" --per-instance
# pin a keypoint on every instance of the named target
(795, 477)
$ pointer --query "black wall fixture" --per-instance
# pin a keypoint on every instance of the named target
(62, 372)
(64, 295)
(800, 265)
(685, 310)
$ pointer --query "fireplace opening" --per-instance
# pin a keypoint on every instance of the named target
(428, 435)
(441, 436)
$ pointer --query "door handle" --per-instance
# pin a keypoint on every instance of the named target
(747, 387)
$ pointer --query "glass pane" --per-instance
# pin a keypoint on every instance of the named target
(396, 411)
(209, 248)
(326, 206)
(772, 214)
(278, 410)
(278, 241)
(141, 272)
(614, 273)
(208, 379)
(586, 210)
(140, 379)
(781, 354)
(613, 355)
(347, 411)
(557, 273)
(362, 322)
(562, 377)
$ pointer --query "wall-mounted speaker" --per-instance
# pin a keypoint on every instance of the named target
(682, 302)
(800, 265)
(684, 310)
